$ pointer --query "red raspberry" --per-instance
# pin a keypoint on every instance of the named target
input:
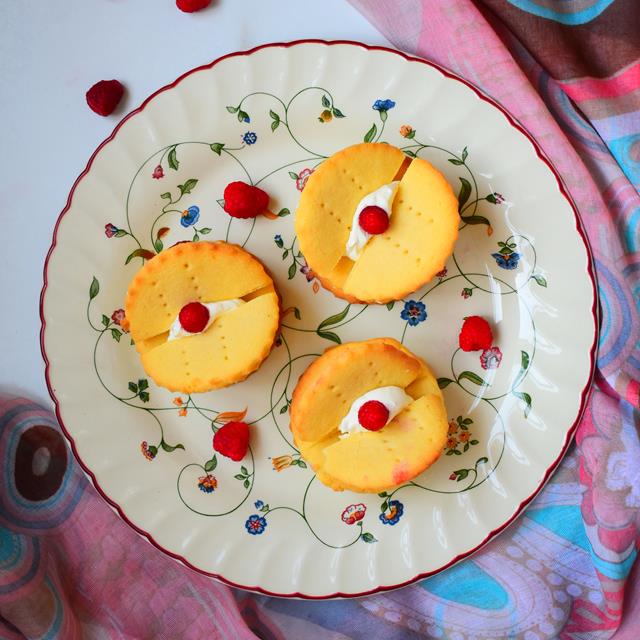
(475, 334)
(373, 415)
(194, 317)
(189, 6)
(104, 96)
(241, 200)
(374, 220)
(232, 440)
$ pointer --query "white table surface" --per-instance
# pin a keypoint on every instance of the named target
(51, 52)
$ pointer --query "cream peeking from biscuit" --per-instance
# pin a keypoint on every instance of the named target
(203, 315)
(375, 225)
(368, 416)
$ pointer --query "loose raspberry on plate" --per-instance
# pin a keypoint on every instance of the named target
(475, 334)
(190, 6)
(373, 415)
(374, 220)
(104, 96)
(194, 317)
(242, 200)
(232, 440)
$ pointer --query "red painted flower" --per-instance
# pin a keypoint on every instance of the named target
(207, 483)
(453, 476)
(117, 316)
(441, 274)
(148, 451)
(158, 172)
(303, 176)
(110, 230)
(353, 513)
(491, 358)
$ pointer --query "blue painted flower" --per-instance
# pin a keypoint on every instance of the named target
(256, 524)
(278, 240)
(259, 504)
(393, 513)
(250, 137)
(190, 216)
(383, 105)
(414, 312)
(506, 261)
(246, 118)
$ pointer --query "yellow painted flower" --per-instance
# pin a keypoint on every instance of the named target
(453, 427)
(452, 443)
(325, 116)
(282, 462)
(464, 436)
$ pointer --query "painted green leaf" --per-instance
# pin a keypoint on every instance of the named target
(328, 335)
(120, 233)
(491, 198)
(461, 474)
(505, 251)
(105, 320)
(157, 245)
(383, 115)
(244, 470)
(410, 153)
(232, 109)
(475, 220)
(217, 147)
(210, 465)
(466, 447)
(246, 483)
(144, 396)
(293, 175)
(139, 253)
(279, 242)
(285, 253)
(368, 537)
(133, 387)
(465, 192)
(337, 113)
(444, 382)
(325, 102)
(196, 237)
(482, 460)
(302, 464)
(187, 186)
(526, 398)
(239, 476)
(296, 313)
(384, 506)
(465, 153)
(172, 159)
(116, 335)
(411, 135)
(467, 421)
(455, 161)
(94, 288)
(390, 305)
(292, 270)
(243, 116)
(472, 377)
(383, 494)
(449, 453)
(283, 212)
(275, 124)
(538, 278)
(284, 409)
(334, 319)
(274, 115)
(169, 448)
(371, 134)
(205, 231)
(221, 202)
(524, 360)
(143, 384)
(456, 452)
(166, 196)
(153, 450)
(474, 441)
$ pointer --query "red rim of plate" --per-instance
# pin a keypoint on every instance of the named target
(592, 352)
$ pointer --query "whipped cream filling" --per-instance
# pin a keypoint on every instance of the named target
(394, 398)
(358, 237)
(215, 309)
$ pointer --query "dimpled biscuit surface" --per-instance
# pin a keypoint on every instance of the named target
(369, 461)
(235, 343)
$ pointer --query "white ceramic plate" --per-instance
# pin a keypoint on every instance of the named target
(270, 116)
